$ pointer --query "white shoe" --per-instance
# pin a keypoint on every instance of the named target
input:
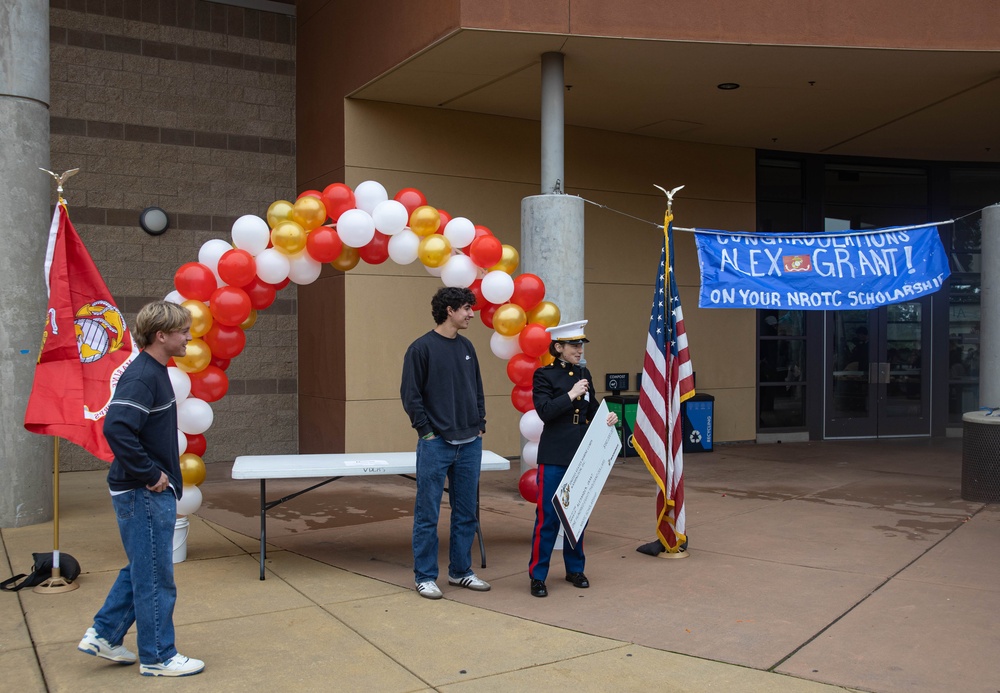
(93, 644)
(472, 582)
(178, 665)
(429, 590)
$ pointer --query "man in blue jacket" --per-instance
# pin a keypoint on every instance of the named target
(442, 393)
(145, 480)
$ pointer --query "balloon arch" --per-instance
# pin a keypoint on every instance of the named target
(231, 282)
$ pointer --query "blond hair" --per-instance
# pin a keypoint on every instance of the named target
(159, 316)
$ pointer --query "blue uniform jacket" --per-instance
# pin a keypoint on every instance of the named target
(565, 420)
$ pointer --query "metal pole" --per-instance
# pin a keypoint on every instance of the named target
(989, 332)
(553, 123)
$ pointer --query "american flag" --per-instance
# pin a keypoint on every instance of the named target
(667, 380)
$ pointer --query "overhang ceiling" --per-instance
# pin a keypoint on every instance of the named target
(908, 104)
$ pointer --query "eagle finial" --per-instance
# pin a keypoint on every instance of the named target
(60, 178)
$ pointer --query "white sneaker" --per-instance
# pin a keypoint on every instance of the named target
(178, 665)
(472, 582)
(93, 644)
(429, 590)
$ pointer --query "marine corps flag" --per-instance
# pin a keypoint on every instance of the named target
(85, 346)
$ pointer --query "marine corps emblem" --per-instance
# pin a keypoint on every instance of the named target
(564, 495)
(100, 330)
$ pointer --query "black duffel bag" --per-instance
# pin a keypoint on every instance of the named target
(69, 570)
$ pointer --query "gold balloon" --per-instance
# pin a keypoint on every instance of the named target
(434, 250)
(545, 313)
(309, 212)
(425, 220)
(201, 317)
(509, 319)
(192, 469)
(508, 261)
(289, 237)
(279, 211)
(546, 358)
(197, 357)
(250, 321)
(347, 260)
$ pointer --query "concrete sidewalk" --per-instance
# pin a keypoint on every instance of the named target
(814, 567)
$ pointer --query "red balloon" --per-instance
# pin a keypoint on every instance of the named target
(521, 369)
(486, 314)
(477, 289)
(529, 290)
(445, 218)
(338, 198)
(209, 384)
(261, 293)
(486, 251)
(323, 244)
(195, 280)
(521, 398)
(534, 340)
(197, 445)
(237, 267)
(282, 284)
(377, 250)
(229, 305)
(411, 198)
(528, 486)
(225, 342)
(221, 364)
(482, 231)
(310, 193)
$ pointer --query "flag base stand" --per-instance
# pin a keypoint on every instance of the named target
(56, 584)
(675, 554)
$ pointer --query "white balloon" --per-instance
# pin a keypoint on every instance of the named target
(250, 233)
(356, 228)
(529, 455)
(390, 217)
(181, 382)
(190, 500)
(194, 415)
(210, 253)
(272, 266)
(531, 426)
(498, 287)
(459, 271)
(403, 247)
(504, 347)
(302, 269)
(182, 442)
(174, 297)
(368, 195)
(460, 232)
(434, 271)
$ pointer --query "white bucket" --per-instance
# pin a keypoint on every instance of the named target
(181, 539)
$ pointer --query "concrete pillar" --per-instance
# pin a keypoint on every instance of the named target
(25, 458)
(989, 309)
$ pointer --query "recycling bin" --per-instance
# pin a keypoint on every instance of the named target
(625, 406)
(697, 414)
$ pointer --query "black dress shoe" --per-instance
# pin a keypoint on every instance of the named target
(538, 589)
(579, 580)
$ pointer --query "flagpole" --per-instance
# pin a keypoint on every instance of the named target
(56, 584)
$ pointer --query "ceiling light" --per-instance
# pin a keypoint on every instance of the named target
(728, 86)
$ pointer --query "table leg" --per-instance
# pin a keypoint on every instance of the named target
(479, 530)
(263, 525)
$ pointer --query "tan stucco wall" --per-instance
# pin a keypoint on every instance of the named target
(481, 167)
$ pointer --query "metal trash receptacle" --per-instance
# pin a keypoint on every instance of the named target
(981, 457)
(625, 406)
(697, 414)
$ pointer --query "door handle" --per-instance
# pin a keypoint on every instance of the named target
(878, 373)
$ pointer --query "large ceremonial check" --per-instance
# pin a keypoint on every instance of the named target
(576, 496)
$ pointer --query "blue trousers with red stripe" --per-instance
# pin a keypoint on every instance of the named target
(547, 528)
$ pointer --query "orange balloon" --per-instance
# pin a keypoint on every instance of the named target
(288, 236)
(250, 321)
(546, 358)
(309, 212)
(424, 221)
(509, 319)
(197, 357)
(434, 250)
(347, 260)
(279, 211)
(192, 469)
(508, 261)
(201, 317)
(547, 313)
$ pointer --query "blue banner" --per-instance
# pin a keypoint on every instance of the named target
(834, 271)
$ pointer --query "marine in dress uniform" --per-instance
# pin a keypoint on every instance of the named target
(564, 402)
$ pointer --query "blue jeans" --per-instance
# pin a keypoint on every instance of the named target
(438, 460)
(144, 592)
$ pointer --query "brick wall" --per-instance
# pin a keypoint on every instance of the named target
(189, 106)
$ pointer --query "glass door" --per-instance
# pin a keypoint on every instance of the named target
(878, 365)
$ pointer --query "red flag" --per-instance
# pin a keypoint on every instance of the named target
(667, 380)
(85, 346)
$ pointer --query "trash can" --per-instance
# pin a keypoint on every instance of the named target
(625, 406)
(697, 414)
(981, 457)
